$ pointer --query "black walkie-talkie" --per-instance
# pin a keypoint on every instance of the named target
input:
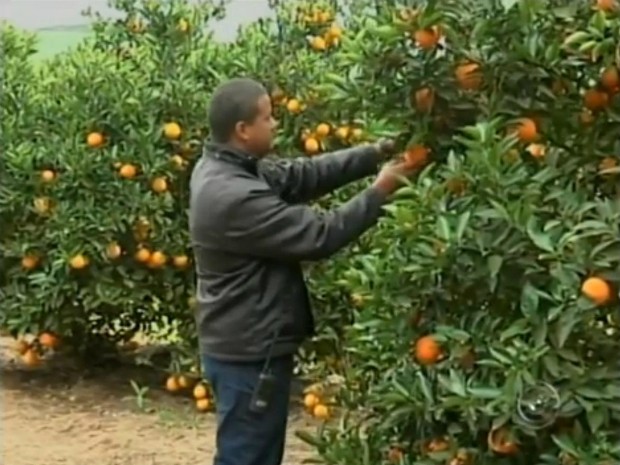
(263, 391)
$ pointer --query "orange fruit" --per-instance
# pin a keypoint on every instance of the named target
(128, 171)
(113, 251)
(142, 255)
(31, 358)
(200, 391)
(501, 442)
(293, 106)
(357, 134)
(607, 163)
(537, 150)
(318, 43)
(184, 382)
(424, 99)
(342, 133)
(172, 384)
(597, 290)
(42, 205)
(79, 262)
(526, 130)
(21, 347)
(438, 445)
(606, 5)
(157, 259)
(159, 185)
(47, 175)
(595, 100)
(395, 455)
(311, 400)
(416, 156)
(427, 350)
(468, 76)
(203, 405)
(30, 262)
(334, 32)
(610, 79)
(135, 25)
(178, 161)
(183, 25)
(427, 38)
(172, 131)
(322, 130)
(321, 411)
(49, 340)
(94, 139)
(311, 146)
(180, 261)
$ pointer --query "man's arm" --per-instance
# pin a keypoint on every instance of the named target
(304, 179)
(264, 225)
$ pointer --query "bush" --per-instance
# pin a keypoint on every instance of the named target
(490, 287)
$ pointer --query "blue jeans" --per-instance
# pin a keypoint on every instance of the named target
(245, 437)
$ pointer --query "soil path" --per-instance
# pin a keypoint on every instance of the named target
(53, 416)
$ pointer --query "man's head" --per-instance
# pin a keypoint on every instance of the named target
(240, 115)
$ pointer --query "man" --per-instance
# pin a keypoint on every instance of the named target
(250, 231)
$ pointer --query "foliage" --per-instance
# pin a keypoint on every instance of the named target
(471, 295)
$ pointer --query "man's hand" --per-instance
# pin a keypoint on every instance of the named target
(390, 178)
(384, 147)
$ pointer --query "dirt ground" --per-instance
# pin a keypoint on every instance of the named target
(58, 416)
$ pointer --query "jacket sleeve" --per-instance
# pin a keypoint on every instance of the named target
(304, 179)
(262, 224)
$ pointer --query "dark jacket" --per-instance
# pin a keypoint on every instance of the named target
(250, 231)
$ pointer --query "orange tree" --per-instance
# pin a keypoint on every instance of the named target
(486, 306)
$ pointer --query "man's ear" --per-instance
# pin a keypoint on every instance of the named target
(241, 129)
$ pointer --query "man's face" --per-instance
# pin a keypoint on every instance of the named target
(258, 135)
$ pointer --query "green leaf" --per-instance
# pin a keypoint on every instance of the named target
(529, 301)
(596, 418)
(540, 239)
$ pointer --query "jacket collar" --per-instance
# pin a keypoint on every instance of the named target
(232, 155)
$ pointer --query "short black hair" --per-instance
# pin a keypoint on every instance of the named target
(232, 102)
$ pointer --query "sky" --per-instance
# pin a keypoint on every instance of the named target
(38, 14)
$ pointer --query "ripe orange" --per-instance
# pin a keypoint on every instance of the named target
(311, 146)
(468, 76)
(311, 400)
(357, 134)
(184, 381)
(159, 185)
(342, 133)
(606, 5)
(49, 340)
(293, 106)
(416, 156)
(180, 261)
(318, 43)
(395, 455)
(427, 38)
(438, 445)
(30, 262)
(94, 139)
(597, 290)
(128, 171)
(172, 131)
(79, 262)
(42, 205)
(610, 79)
(537, 150)
(113, 251)
(321, 411)
(322, 130)
(526, 130)
(502, 442)
(607, 163)
(203, 405)
(47, 175)
(427, 350)
(21, 347)
(31, 358)
(172, 384)
(142, 255)
(424, 99)
(200, 391)
(595, 100)
(157, 259)
(334, 33)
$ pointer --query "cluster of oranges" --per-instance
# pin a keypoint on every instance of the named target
(329, 38)
(313, 139)
(31, 351)
(200, 391)
(315, 405)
